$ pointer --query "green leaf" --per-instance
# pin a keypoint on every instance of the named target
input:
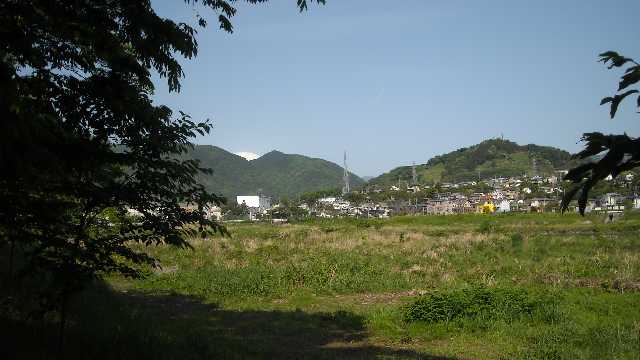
(616, 59)
(608, 99)
(616, 100)
(608, 54)
(629, 79)
(633, 68)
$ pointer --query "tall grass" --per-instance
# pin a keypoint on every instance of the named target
(471, 286)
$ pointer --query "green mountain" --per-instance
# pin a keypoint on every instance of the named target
(275, 174)
(495, 157)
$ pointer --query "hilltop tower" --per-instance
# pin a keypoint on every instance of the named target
(345, 177)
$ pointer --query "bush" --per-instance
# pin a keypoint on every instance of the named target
(482, 303)
(516, 242)
(488, 227)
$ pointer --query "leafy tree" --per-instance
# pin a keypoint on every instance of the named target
(356, 198)
(288, 209)
(80, 138)
(234, 211)
(618, 152)
(311, 198)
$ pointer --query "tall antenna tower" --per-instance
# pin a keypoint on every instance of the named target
(345, 177)
(535, 166)
(414, 174)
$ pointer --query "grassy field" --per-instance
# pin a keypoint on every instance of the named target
(529, 286)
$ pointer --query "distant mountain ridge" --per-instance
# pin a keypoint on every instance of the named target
(274, 174)
(490, 158)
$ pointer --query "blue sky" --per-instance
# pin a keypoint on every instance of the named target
(393, 82)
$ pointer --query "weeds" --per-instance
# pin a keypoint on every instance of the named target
(480, 303)
(516, 242)
(485, 227)
(555, 287)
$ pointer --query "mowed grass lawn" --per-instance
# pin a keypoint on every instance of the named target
(530, 286)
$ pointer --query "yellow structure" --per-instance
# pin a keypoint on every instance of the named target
(487, 208)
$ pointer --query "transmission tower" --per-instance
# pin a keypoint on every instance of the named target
(345, 177)
(414, 175)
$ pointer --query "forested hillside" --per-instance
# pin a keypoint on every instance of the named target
(495, 157)
(275, 173)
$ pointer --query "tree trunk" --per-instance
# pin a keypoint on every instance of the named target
(63, 319)
(10, 269)
(43, 344)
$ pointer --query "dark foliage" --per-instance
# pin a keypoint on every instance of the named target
(606, 154)
(76, 85)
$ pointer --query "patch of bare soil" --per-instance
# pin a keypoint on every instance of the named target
(380, 298)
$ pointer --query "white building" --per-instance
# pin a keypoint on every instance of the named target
(261, 203)
(612, 199)
(504, 206)
(327, 200)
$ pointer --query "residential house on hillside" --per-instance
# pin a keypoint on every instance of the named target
(448, 206)
(328, 200)
(477, 198)
(511, 195)
(372, 210)
(497, 195)
(537, 179)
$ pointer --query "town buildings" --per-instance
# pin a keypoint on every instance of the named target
(537, 194)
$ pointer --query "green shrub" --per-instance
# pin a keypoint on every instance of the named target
(328, 229)
(488, 227)
(516, 242)
(482, 303)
